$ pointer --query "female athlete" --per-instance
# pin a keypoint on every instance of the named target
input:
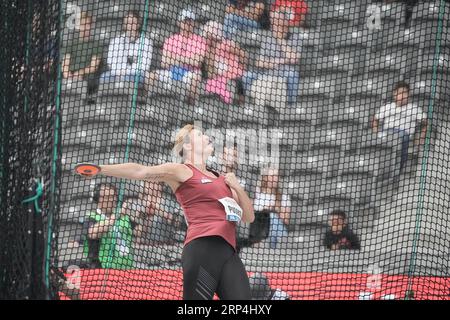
(212, 204)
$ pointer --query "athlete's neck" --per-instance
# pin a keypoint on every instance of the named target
(199, 166)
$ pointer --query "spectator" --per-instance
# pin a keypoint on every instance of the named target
(269, 199)
(261, 290)
(296, 10)
(83, 55)
(243, 15)
(225, 61)
(182, 58)
(401, 117)
(279, 56)
(159, 221)
(129, 54)
(108, 237)
(339, 236)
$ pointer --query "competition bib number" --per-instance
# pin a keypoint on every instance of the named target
(232, 209)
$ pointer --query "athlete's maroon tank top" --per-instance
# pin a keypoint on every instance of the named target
(205, 215)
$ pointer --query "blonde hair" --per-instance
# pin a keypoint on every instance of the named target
(181, 138)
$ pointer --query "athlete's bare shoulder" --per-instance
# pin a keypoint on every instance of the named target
(180, 172)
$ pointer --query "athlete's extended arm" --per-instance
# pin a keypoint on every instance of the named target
(133, 171)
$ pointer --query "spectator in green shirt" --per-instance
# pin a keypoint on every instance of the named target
(108, 237)
(82, 56)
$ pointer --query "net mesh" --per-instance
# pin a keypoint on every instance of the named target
(332, 115)
(28, 149)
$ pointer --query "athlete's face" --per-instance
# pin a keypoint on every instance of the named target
(200, 143)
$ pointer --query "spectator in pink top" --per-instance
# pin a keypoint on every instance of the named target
(182, 58)
(225, 61)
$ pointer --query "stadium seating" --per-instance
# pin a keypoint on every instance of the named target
(344, 35)
(351, 112)
(302, 186)
(319, 161)
(387, 12)
(343, 11)
(399, 60)
(421, 33)
(430, 11)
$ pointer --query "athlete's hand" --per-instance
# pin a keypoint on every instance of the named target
(232, 181)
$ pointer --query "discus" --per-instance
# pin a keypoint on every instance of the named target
(87, 169)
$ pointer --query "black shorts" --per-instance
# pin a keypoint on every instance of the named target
(211, 265)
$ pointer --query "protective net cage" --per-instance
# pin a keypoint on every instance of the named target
(332, 114)
(29, 149)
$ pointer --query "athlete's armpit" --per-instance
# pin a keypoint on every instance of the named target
(161, 173)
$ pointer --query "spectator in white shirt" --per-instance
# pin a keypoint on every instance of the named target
(129, 54)
(401, 117)
(268, 198)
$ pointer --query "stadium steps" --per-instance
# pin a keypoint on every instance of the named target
(319, 161)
